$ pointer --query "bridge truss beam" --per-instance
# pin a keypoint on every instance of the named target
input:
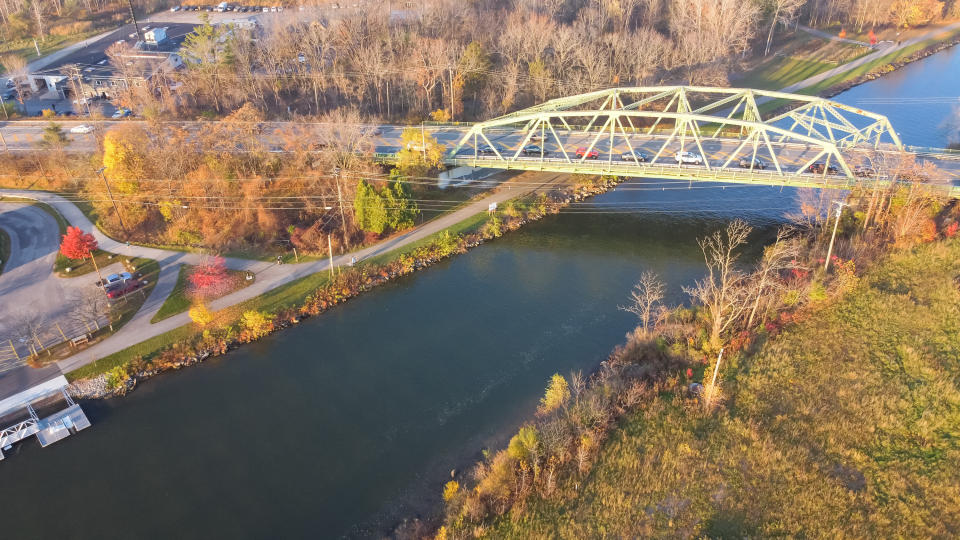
(691, 115)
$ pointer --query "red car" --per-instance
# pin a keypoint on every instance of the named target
(593, 154)
(127, 287)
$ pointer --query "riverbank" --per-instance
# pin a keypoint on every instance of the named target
(844, 425)
(741, 316)
(252, 320)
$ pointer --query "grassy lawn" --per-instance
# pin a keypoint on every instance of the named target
(876, 64)
(25, 48)
(4, 249)
(845, 425)
(781, 72)
(84, 266)
(799, 57)
(179, 300)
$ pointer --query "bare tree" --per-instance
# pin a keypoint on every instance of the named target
(16, 67)
(776, 257)
(646, 294)
(721, 291)
(88, 307)
(783, 13)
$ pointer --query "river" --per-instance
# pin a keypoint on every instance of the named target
(341, 424)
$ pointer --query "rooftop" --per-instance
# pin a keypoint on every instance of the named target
(95, 55)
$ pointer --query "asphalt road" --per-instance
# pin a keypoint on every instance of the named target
(29, 291)
(791, 155)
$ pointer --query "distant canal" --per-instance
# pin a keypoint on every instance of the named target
(353, 418)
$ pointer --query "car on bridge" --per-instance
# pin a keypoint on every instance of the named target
(688, 158)
(818, 168)
(745, 163)
(489, 150)
(635, 155)
(592, 154)
(863, 171)
(533, 150)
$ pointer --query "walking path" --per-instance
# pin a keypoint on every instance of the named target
(269, 275)
(831, 37)
(881, 51)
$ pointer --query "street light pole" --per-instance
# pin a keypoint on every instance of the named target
(126, 233)
(840, 205)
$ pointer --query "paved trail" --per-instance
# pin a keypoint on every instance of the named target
(269, 275)
(881, 51)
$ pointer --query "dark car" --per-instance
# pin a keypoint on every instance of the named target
(630, 156)
(592, 154)
(488, 150)
(533, 150)
(864, 172)
(757, 164)
(126, 287)
(817, 168)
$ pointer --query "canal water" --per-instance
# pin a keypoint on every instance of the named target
(338, 425)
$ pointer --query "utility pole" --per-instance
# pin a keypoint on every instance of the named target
(126, 233)
(93, 259)
(840, 205)
(134, 17)
(330, 250)
(423, 142)
(343, 217)
(713, 382)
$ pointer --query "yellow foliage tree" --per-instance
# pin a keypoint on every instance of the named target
(200, 314)
(419, 153)
(440, 115)
(450, 489)
(123, 161)
(257, 323)
(556, 396)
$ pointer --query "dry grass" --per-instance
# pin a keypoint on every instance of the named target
(847, 425)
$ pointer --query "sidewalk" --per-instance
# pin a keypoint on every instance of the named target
(890, 48)
(269, 275)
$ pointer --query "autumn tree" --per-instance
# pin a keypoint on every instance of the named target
(200, 314)
(721, 291)
(77, 244)
(209, 279)
(419, 153)
(256, 323)
(556, 396)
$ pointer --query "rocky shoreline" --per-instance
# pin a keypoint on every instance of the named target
(359, 281)
(889, 68)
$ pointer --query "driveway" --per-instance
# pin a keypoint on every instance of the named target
(28, 286)
(30, 292)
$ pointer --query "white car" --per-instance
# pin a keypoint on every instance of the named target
(688, 158)
(82, 128)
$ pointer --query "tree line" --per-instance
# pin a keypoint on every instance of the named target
(476, 59)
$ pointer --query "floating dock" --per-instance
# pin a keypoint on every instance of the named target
(45, 410)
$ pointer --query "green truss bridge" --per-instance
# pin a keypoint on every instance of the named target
(728, 134)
